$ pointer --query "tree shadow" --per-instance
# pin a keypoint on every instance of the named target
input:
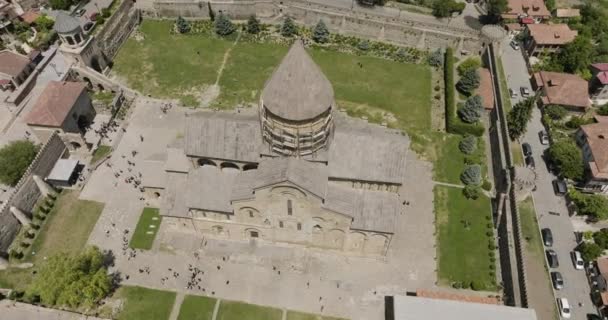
(473, 22)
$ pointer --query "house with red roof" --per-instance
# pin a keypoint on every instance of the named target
(547, 38)
(563, 89)
(598, 86)
(64, 107)
(14, 68)
(593, 139)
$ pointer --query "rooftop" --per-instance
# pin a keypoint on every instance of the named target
(602, 72)
(55, 103)
(552, 34)
(65, 23)
(416, 308)
(602, 266)
(283, 95)
(567, 13)
(485, 89)
(533, 8)
(62, 170)
(563, 89)
(597, 139)
(12, 64)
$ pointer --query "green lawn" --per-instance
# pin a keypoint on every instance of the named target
(17, 279)
(100, 152)
(463, 244)
(145, 304)
(294, 315)
(196, 308)
(231, 310)
(450, 160)
(68, 226)
(169, 66)
(529, 228)
(146, 229)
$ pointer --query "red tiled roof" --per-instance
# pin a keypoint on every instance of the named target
(485, 89)
(533, 8)
(597, 138)
(30, 16)
(455, 297)
(12, 63)
(602, 265)
(602, 77)
(55, 103)
(600, 66)
(527, 20)
(567, 13)
(552, 34)
(563, 89)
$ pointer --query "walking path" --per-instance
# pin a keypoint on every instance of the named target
(179, 298)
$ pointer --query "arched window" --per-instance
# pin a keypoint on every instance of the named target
(289, 207)
(77, 38)
(69, 40)
(250, 166)
(206, 162)
(299, 226)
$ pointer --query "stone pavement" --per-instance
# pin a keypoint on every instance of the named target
(282, 276)
(22, 311)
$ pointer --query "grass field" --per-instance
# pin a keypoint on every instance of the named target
(529, 228)
(100, 152)
(231, 310)
(68, 227)
(145, 304)
(196, 308)
(463, 224)
(294, 315)
(147, 227)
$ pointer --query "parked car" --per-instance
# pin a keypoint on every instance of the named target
(577, 260)
(525, 92)
(514, 45)
(512, 93)
(530, 162)
(560, 187)
(558, 280)
(80, 12)
(87, 26)
(544, 137)
(547, 236)
(93, 16)
(527, 149)
(591, 316)
(552, 258)
(564, 307)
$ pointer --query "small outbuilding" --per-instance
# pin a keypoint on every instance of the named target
(64, 173)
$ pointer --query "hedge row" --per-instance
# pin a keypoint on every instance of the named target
(453, 124)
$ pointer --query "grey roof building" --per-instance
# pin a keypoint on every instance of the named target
(65, 23)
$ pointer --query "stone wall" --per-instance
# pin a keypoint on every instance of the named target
(118, 28)
(409, 30)
(26, 192)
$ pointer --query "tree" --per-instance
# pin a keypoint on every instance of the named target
(445, 8)
(14, 160)
(253, 25)
(61, 4)
(44, 23)
(601, 238)
(79, 280)
(603, 110)
(592, 205)
(589, 251)
(223, 25)
(550, 5)
(575, 56)
(472, 110)
(288, 28)
(468, 65)
(468, 144)
(363, 45)
(320, 33)
(568, 158)
(471, 192)
(182, 25)
(519, 116)
(468, 82)
(436, 58)
(471, 175)
(496, 7)
(211, 12)
(556, 112)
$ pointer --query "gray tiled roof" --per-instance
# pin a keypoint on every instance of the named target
(307, 175)
(65, 23)
(222, 136)
(370, 210)
(298, 89)
(209, 188)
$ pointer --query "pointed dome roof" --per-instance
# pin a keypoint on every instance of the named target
(65, 23)
(298, 90)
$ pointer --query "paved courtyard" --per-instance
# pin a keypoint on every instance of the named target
(283, 276)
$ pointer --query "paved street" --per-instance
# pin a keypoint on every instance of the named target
(576, 288)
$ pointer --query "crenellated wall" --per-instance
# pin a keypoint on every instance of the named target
(411, 30)
(26, 192)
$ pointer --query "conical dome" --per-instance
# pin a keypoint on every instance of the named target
(298, 90)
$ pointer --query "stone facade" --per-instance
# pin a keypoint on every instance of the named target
(406, 30)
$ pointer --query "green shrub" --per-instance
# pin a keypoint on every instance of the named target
(436, 58)
(288, 28)
(486, 185)
(106, 13)
(223, 25)
(472, 110)
(471, 192)
(182, 25)
(34, 226)
(471, 175)
(320, 33)
(468, 82)
(471, 63)
(556, 112)
(468, 144)
(253, 25)
(24, 244)
(576, 122)
(448, 75)
(568, 158)
(477, 286)
(363, 45)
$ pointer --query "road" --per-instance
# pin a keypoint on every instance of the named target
(576, 288)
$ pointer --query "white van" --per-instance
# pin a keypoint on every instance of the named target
(564, 307)
(577, 259)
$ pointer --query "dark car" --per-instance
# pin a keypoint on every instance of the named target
(591, 316)
(552, 258)
(547, 236)
(530, 162)
(560, 187)
(527, 149)
(87, 26)
(558, 280)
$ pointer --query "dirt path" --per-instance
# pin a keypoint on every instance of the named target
(220, 71)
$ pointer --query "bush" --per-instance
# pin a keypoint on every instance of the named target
(477, 286)
(15, 254)
(253, 25)
(435, 58)
(468, 82)
(601, 239)
(468, 144)
(288, 28)
(15, 295)
(486, 185)
(576, 122)
(223, 25)
(320, 33)
(556, 112)
(592, 205)
(590, 251)
(471, 175)
(100, 20)
(568, 158)
(34, 226)
(24, 244)
(182, 25)
(468, 65)
(363, 45)
(448, 75)
(106, 13)
(472, 110)
(471, 192)
(603, 110)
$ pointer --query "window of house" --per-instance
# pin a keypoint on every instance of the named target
(254, 234)
(280, 224)
(250, 213)
(289, 208)
(299, 226)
